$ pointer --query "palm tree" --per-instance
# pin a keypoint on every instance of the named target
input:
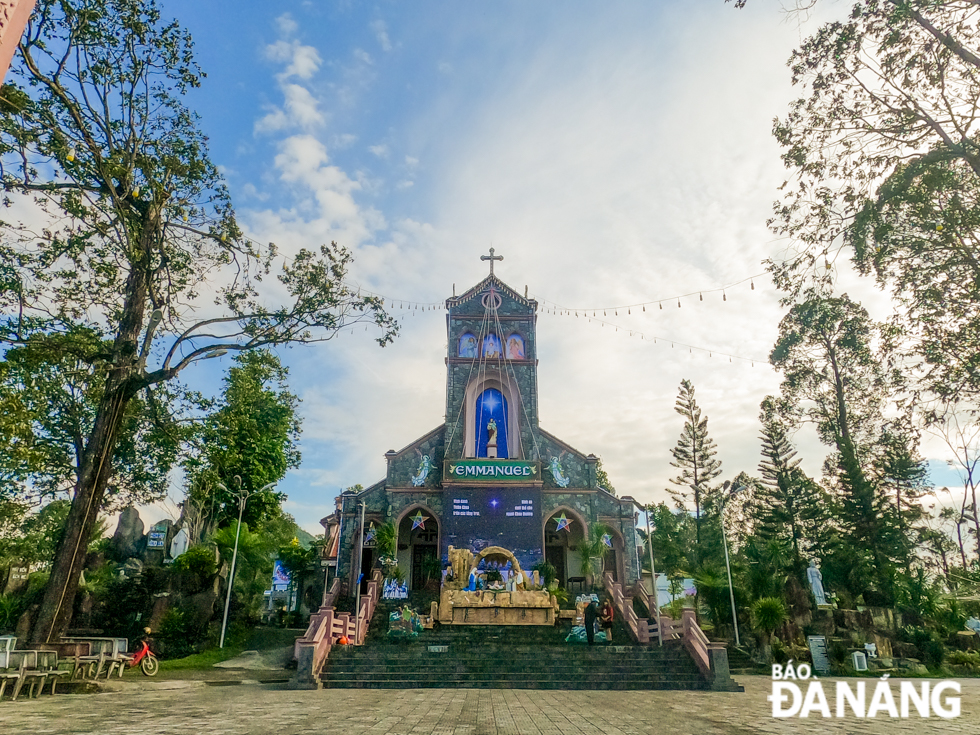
(592, 550)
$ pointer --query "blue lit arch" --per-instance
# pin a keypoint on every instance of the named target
(491, 404)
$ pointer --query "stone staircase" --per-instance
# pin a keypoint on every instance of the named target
(505, 657)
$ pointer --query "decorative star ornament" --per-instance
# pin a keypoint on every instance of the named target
(607, 540)
(563, 523)
(371, 534)
(418, 521)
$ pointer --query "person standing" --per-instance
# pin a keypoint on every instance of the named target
(606, 619)
(591, 615)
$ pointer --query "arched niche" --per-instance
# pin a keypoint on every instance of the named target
(514, 347)
(418, 547)
(613, 560)
(512, 397)
(561, 547)
(468, 346)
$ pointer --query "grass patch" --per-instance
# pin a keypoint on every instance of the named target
(203, 660)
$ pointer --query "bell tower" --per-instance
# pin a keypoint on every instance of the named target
(491, 372)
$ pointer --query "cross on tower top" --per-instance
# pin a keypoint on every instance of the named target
(491, 258)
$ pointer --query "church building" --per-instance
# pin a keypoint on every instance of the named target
(490, 475)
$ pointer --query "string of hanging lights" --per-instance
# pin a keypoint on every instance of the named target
(593, 315)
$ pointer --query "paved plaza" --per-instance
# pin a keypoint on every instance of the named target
(147, 707)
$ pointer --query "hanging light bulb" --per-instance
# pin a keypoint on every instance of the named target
(678, 303)
(661, 306)
(752, 285)
(603, 313)
(644, 307)
(723, 296)
(700, 297)
(628, 312)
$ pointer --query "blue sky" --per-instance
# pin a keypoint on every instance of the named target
(614, 154)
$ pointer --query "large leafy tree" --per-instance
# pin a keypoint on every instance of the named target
(834, 378)
(883, 149)
(251, 437)
(694, 455)
(118, 220)
(51, 397)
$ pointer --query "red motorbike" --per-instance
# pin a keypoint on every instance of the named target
(145, 659)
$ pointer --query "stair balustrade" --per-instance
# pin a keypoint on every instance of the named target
(327, 626)
(638, 629)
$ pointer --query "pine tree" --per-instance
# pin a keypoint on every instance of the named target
(694, 456)
(787, 505)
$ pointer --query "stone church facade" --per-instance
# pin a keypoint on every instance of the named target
(489, 475)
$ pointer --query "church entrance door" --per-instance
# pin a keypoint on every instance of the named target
(367, 566)
(418, 548)
(424, 564)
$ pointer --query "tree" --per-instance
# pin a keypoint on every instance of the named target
(602, 479)
(886, 167)
(592, 550)
(833, 378)
(670, 539)
(252, 436)
(53, 396)
(694, 456)
(128, 224)
(786, 506)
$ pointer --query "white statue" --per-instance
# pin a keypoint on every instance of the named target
(815, 578)
(179, 545)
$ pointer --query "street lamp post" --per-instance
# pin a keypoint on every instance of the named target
(653, 577)
(243, 498)
(728, 566)
(360, 563)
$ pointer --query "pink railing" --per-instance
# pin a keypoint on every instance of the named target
(638, 629)
(696, 642)
(327, 626)
(687, 629)
(649, 602)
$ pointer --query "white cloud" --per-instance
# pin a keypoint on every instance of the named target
(411, 161)
(303, 61)
(380, 150)
(345, 140)
(302, 107)
(287, 26)
(381, 33)
(405, 184)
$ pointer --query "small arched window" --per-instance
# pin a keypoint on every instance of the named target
(515, 347)
(491, 345)
(467, 345)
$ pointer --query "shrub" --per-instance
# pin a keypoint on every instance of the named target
(546, 571)
(768, 613)
(927, 641)
(195, 568)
